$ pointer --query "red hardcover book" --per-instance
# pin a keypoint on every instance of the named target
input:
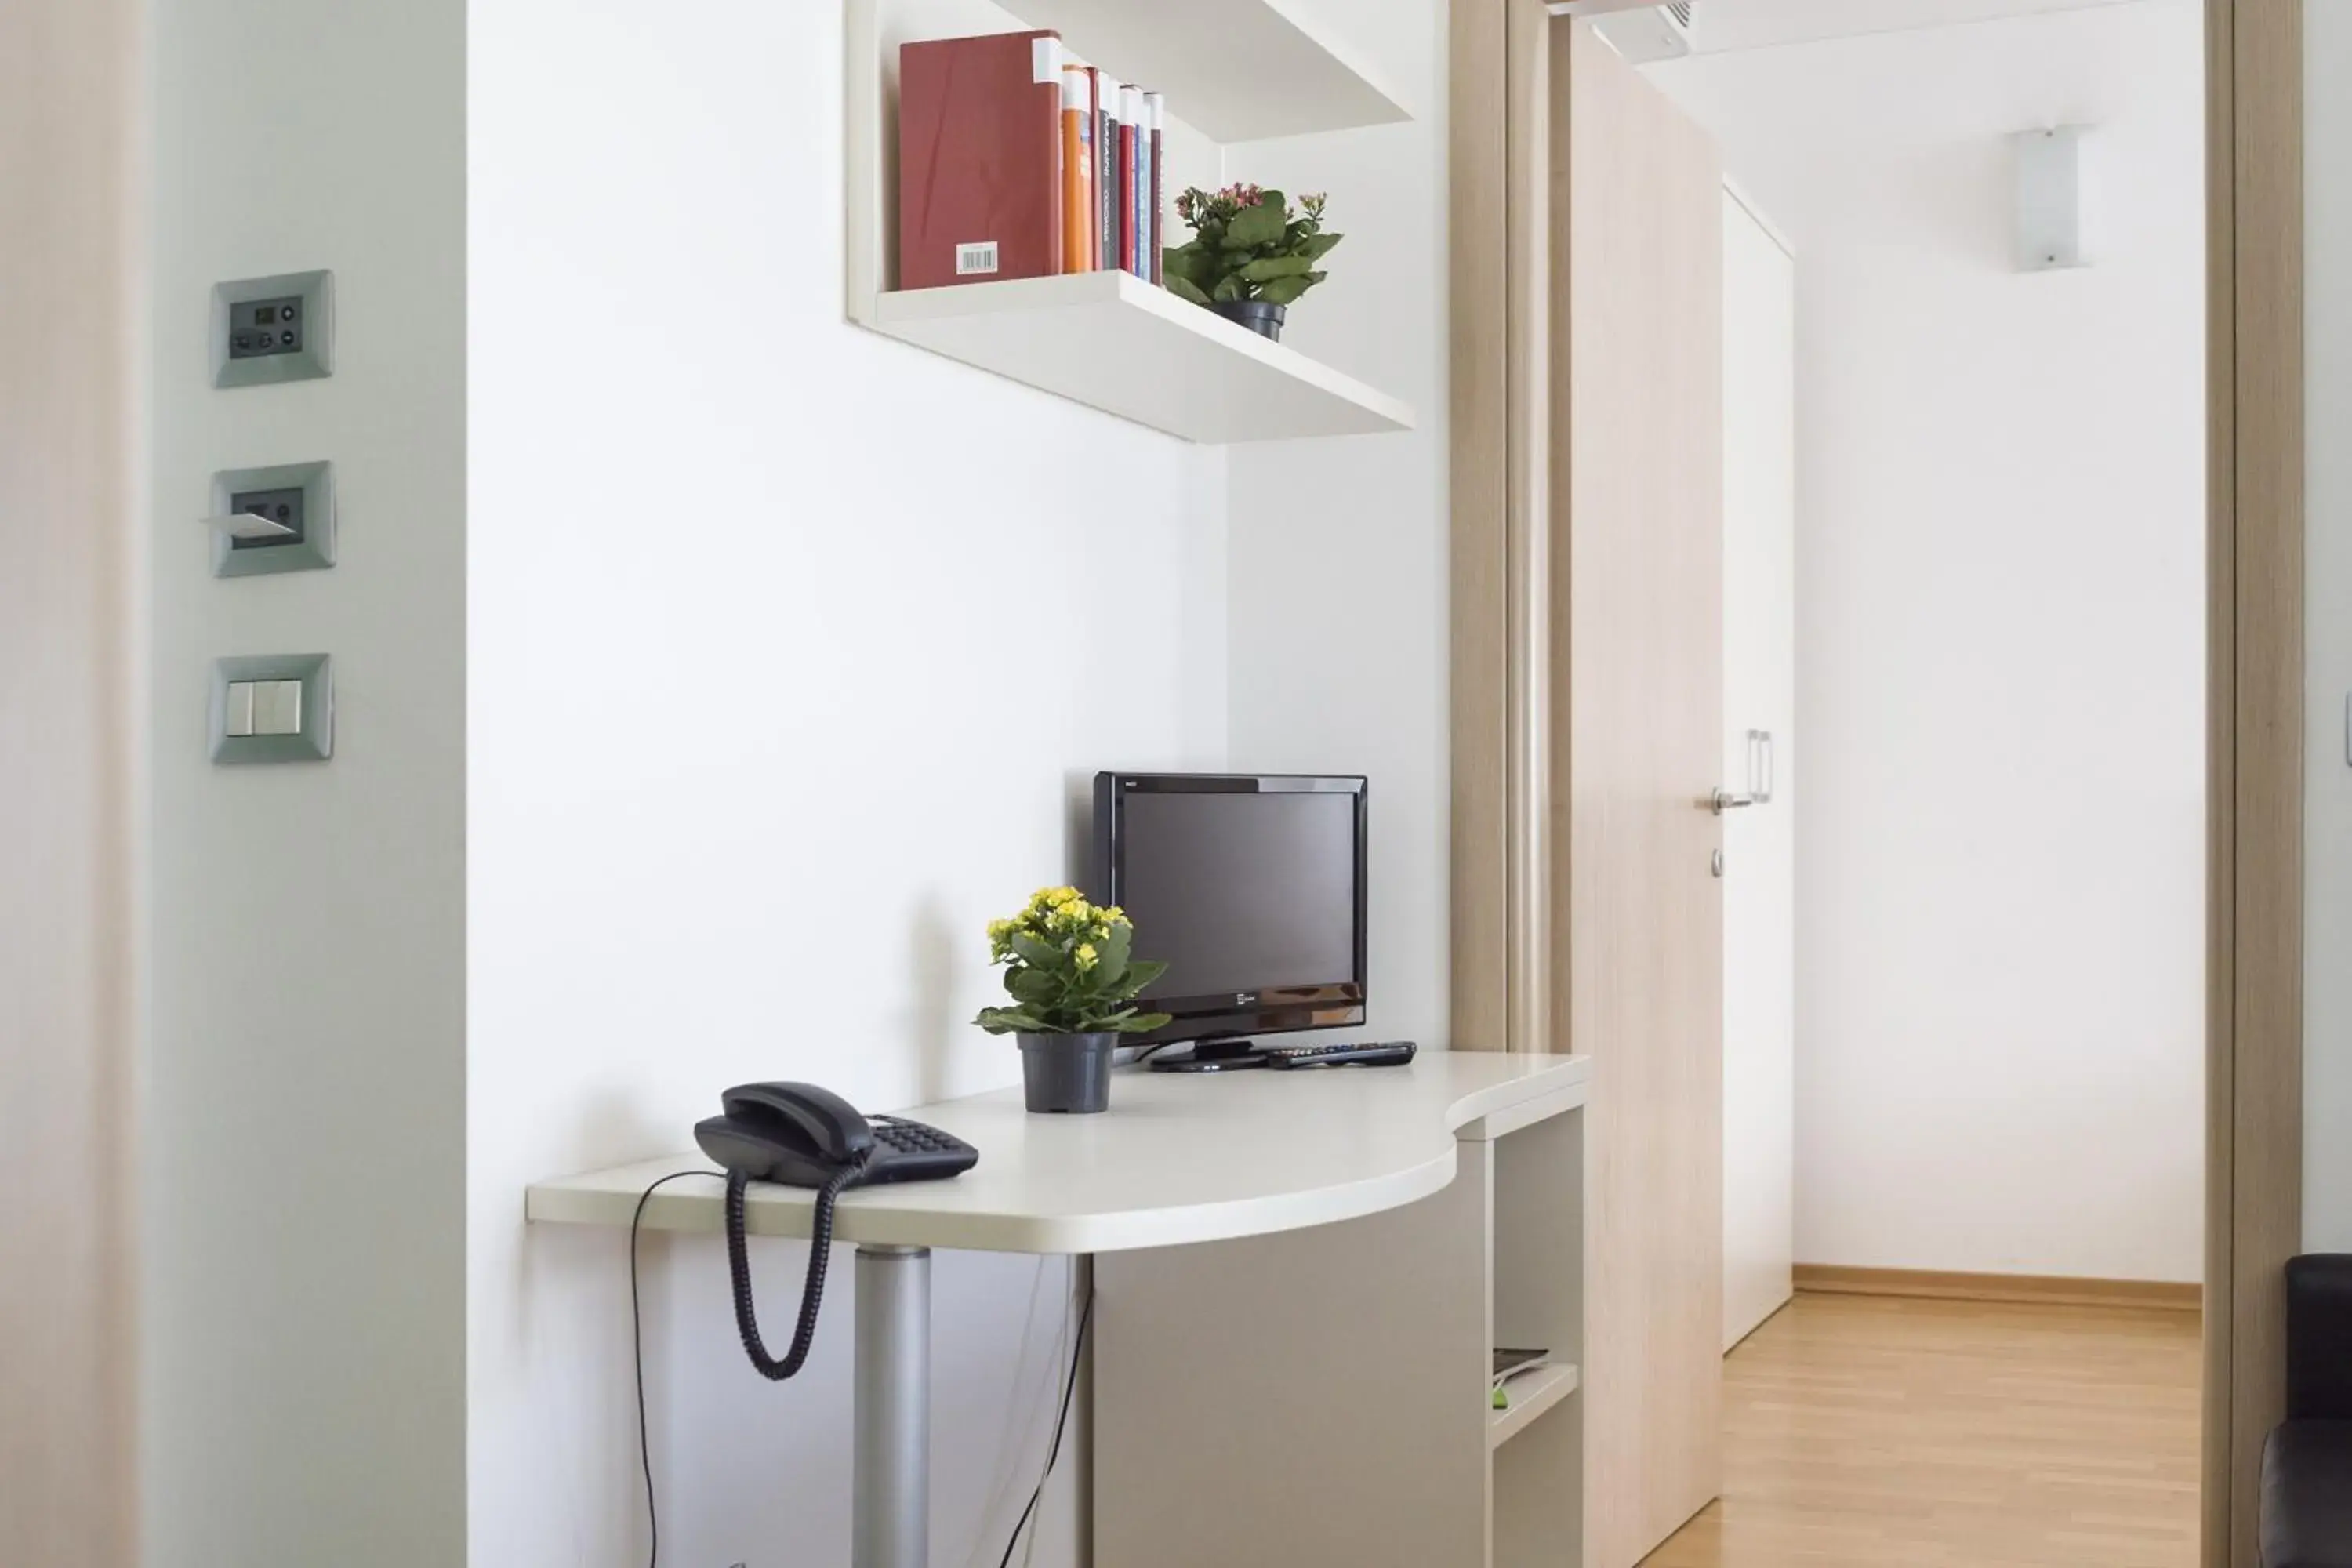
(1131, 126)
(980, 159)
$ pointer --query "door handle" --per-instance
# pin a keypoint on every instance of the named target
(1763, 766)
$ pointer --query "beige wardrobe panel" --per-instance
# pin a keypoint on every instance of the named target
(1636, 748)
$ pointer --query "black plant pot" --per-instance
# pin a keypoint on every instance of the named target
(1066, 1073)
(1259, 317)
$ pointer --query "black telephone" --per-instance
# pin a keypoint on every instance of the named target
(803, 1136)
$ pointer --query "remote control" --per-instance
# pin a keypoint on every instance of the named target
(1363, 1053)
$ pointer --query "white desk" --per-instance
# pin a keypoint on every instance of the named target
(1179, 1159)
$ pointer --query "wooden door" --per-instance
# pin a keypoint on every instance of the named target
(1636, 541)
(1759, 842)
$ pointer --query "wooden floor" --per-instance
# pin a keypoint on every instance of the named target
(1869, 1433)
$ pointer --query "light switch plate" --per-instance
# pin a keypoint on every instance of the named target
(313, 551)
(303, 348)
(243, 698)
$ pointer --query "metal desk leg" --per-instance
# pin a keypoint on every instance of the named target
(891, 1490)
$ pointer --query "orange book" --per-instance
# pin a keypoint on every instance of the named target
(1077, 169)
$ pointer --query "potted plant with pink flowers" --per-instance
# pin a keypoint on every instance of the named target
(1251, 256)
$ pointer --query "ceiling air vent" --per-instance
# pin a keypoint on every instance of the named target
(1649, 33)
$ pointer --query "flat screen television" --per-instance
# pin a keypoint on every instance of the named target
(1250, 887)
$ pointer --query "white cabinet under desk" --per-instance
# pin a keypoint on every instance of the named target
(1299, 1281)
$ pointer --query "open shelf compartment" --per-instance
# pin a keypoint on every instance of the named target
(1531, 1393)
(1535, 1449)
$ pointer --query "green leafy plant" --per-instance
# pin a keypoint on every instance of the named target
(1248, 244)
(1068, 969)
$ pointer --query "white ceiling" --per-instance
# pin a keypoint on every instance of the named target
(1722, 25)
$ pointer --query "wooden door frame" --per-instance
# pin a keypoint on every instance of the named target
(73, 522)
(1500, 962)
(2254, 1112)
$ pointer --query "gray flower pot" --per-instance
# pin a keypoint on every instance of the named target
(1066, 1073)
(1259, 317)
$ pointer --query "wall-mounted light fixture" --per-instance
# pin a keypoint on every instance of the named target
(2050, 198)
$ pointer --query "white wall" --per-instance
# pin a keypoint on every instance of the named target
(1340, 556)
(2001, 591)
(790, 651)
(304, 1170)
(2328, 789)
(71, 134)
(779, 670)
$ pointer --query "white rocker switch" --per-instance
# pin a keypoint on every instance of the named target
(238, 720)
(265, 707)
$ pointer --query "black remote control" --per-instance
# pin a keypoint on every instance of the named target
(1363, 1053)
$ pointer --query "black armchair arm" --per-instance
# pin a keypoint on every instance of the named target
(2319, 1338)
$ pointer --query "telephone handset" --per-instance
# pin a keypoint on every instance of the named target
(803, 1136)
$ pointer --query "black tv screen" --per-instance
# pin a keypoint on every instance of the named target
(1251, 888)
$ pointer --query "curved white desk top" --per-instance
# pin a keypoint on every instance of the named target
(1178, 1157)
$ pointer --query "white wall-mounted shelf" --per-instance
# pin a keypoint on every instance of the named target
(1113, 341)
(1231, 69)
(1236, 70)
(1531, 1395)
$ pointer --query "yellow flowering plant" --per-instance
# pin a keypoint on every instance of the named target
(1068, 969)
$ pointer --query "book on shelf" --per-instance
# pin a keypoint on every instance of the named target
(1130, 208)
(1017, 161)
(1094, 120)
(1511, 1361)
(980, 191)
(1155, 113)
(1108, 89)
(1079, 196)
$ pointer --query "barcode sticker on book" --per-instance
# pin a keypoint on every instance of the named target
(975, 259)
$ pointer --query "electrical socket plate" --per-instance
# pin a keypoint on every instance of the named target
(312, 513)
(315, 744)
(310, 296)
